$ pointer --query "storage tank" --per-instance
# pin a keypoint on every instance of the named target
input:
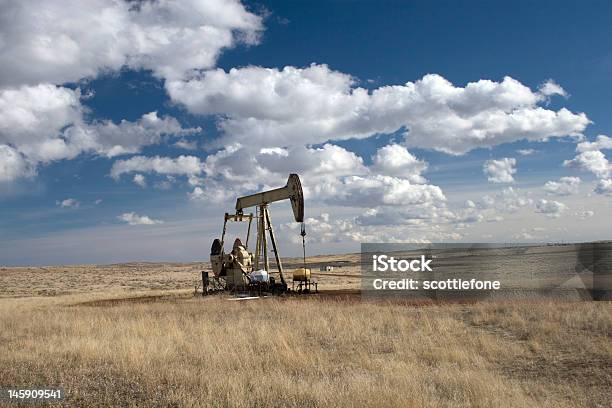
(301, 275)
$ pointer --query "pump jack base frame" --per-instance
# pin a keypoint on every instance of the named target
(213, 285)
(305, 286)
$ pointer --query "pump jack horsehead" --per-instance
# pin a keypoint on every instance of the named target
(242, 270)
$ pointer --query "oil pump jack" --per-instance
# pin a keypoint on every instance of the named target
(242, 270)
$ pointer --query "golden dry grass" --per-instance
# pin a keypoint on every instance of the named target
(134, 335)
(309, 352)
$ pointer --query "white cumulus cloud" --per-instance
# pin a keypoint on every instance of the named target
(370, 191)
(602, 142)
(140, 180)
(45, 45)
(110, 139)
(45, 123)
(550, 88)
(13, 165)
(296, 106)
(564, 187)
(509, 200)
(59, 41)
(526, 152)
(134, 219)
(396, 160)
(330, 174)
(327, 228)
(591, 160)
(246, 168)
(33, 120)
(500, 171)
(182, 165)
(550, 208)
(68, 203)
(604, 186)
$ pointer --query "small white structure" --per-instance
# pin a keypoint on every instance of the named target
(326, 268)
(259, 276)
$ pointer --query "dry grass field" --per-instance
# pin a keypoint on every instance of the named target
(138, 337)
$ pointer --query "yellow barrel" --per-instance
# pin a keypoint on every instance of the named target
(301, 275)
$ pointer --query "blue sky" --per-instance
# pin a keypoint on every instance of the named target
(451, 165)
